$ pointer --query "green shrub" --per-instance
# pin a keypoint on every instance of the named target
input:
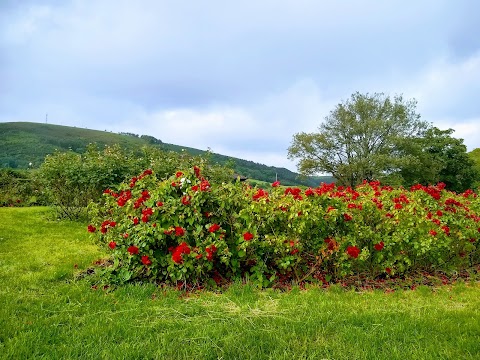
(186, 229)
(20, 188)
(72, 180)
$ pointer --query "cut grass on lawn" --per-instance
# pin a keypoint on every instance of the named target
(45, 313)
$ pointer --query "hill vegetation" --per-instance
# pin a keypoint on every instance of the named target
(24, 145)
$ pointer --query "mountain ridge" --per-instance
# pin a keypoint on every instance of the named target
(25, 144)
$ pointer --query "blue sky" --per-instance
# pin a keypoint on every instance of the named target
(238, 77)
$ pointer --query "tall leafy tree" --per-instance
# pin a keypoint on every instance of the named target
(359, 139)
(440, 158)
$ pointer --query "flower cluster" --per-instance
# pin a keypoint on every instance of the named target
(184, 228)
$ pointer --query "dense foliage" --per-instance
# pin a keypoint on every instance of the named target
(186, 229)
(21, 188)
(74, 180)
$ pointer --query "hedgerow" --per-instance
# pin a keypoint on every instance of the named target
(187, 230)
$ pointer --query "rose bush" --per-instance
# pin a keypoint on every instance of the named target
(186, 229)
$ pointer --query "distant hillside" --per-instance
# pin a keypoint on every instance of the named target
(22, 143)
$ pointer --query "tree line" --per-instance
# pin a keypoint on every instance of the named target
(376, 137)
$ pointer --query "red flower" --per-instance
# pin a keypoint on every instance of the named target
(446, 229)
(439, 213)
(398, 206)
(388, 270)
(379, 246)
(204, 185)
(260, 194)
(174, 184)
(196, 169)
(353, 251)
(179, 231)
(351, 206)
(132, 250)
(125, 235)
(247, 236)
(309, 192)
(433, 232)
(177, 252)
(145, 260)
(330, 208)
(195, 188)
(186, 200)
(212, 249)
(135, 220)
(91, 228)
(276, 184)
(159, 203)
(177, 257)
(214, 228)
(112, 245)
(347, 217)
(331, 243)
(294, 251)
(179, 174)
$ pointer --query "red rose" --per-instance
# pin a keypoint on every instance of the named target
(146, 260)
(433, 232)
(112, 245)
(159, 203)
(177, 257)
(214, 228)
(347, 217)
(379, 246)
(398, 206)
(196, 169)
(247, 236)
(204, 185)
(132, 250)
(179, 174)
(446, 229)
(179, 231)
(388, 270)
(353, 251)
(276, 183)
(91, 228)
(186, 200)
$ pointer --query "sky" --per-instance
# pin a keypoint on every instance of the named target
(237, 77)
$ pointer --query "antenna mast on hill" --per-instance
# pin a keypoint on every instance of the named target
(46, 118)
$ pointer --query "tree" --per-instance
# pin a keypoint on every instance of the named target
(438, 157)
(359, 139)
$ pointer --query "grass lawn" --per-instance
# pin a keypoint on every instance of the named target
(46, 314)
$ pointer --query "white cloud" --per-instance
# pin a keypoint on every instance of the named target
(238, 77)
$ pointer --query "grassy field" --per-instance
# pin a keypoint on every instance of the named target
(46, 314)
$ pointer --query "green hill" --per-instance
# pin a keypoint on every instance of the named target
(24, 143)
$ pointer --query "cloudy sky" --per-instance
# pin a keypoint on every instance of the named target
(238, 77)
